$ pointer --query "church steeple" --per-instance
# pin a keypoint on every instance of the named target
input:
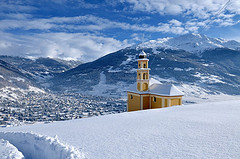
(142, 72)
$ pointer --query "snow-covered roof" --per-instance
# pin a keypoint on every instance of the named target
(142, 53)
(165, 90)
(155, 87)
(133, 87)
(143, 59)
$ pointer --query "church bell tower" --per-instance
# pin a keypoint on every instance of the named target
(142, 72)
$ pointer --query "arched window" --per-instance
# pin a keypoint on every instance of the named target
(144, 65)
(131, 96)
(145, 86)
(144, 75)
(139, 76)
(154, 99)
(138, 86)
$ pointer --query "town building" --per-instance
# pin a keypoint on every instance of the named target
(149, 95)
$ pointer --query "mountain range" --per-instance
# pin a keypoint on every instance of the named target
(197, 64)
(20, 75)
(194, 62)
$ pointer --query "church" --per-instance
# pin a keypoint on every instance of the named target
(150, 96)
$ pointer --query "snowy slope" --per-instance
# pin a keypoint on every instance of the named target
(192, 60)
(8, 151)
(194, 43)
(210, 130)
(40, 147)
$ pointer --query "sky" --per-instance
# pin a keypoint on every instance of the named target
(88, 29)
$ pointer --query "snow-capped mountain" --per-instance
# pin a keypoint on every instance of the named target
(19, 75)
(14, 82)
(193, 43)
(40, 66)
(172, 60)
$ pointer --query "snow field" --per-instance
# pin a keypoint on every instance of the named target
(35, 146)
(208, 130)
(8, 151)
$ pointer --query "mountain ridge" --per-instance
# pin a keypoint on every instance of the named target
(193, 43)
(176, 66)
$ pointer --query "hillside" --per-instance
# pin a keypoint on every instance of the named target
(40, 66)
(19, 75)
(14, 82)
(209, 130)
(193, 62)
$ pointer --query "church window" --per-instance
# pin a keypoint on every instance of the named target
(144, 75)
(138, 86)
(144, 65)
(145, 86)
(139, 76)
(154, 99)
(131, 96)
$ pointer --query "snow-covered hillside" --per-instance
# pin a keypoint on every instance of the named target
(194, 43)
(193, 60)
(8, 151)
(210, 130)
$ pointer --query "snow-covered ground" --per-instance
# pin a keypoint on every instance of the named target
(35, 146)
(209, 130)
(8, 151)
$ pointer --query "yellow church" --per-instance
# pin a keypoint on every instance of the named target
(148, 95)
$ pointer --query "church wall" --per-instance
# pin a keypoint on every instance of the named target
(175, 101)
(145, 101)
(157, 104)
(134, 103)
(165, 102)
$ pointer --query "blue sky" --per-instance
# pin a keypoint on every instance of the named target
(86, 30)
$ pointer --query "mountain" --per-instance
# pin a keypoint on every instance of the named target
(40, 66)
(14, 82)
(193, 43)
(209, 130)
(194, 62)
(19, 74)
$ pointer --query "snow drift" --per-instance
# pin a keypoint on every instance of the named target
(35, 146)
(8, 151)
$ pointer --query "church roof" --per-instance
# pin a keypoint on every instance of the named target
(142, 53)
(165, 90)
(158, 89)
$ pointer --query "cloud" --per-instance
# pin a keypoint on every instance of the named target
(15, 6)
(85, 47)
(87, 23)
(175, 22)
(190, 9)
(200, 9)
(75, 3)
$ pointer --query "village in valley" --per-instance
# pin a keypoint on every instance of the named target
(46, 107)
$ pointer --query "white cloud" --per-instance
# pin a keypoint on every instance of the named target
(87, 23)
(80, 46)
(199, 9)
(15, 6)
(175, 22)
